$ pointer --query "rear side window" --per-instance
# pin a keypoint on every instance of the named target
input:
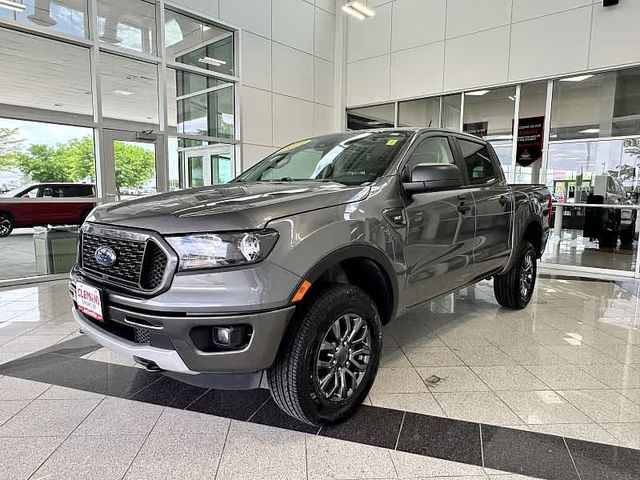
(477, 161)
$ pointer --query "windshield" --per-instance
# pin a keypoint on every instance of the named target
(13, 193)
(352, 159)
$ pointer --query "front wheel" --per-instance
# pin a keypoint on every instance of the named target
(514, 288)
(6, 225)
(329, 358)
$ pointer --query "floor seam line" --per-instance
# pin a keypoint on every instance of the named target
(481, 445)
(571, 457)
(224, 446)
(142, 444)
(258, 409)
(395, 447)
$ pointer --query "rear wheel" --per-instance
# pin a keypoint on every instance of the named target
(514, 288)
(329, 358)
(6, 225)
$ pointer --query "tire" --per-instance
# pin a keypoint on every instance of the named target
(310, 353)
(509, 289)
(6, 225)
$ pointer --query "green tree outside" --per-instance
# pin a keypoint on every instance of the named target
(74, 161)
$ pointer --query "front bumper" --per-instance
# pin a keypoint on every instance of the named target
(167, 338)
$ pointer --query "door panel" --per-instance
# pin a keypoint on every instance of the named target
(440, 229)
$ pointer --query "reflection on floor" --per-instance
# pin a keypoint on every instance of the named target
(568, 365)
(574, 249)
(17, 256)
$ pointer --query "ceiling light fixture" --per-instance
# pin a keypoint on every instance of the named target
(124, 93)
(212, 61)
(358, 10)
(12, 5)
(579, 78)
(590, 130)
(478, 93)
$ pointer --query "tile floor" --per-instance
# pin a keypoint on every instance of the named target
(568, 365)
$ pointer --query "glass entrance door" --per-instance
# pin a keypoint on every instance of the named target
(208, 165)
(132, 160)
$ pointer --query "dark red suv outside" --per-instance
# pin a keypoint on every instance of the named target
(45, 204)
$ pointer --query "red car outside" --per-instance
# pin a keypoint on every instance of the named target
(45, 204)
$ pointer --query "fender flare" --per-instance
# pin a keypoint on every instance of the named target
(357, 250)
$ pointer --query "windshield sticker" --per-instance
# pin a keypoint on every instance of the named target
(293, 146)
(392, 141)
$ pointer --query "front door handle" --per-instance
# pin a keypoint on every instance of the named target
(463, 207)
(504, 200)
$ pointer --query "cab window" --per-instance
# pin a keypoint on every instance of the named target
(430, 150)
(477, 161)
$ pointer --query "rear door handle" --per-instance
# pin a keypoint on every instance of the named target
(463, 207)
(504, 200)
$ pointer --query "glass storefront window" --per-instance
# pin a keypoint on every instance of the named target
(489, 114)
(533, 98)
(129, 89)
(63, 16)
(201, 105)
(47, 184)
(378, 116)
(596, 106)
(32, 74)
(196, 163)
(128, 24)
(419, 113)
(198, 44)
(451, 111)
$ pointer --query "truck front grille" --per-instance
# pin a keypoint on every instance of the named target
(140, 264)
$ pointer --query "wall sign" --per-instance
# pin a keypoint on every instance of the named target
(530, 137)
(479, 129)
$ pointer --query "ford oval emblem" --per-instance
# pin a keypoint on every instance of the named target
(105, 256)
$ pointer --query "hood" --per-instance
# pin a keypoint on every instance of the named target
(229, 207)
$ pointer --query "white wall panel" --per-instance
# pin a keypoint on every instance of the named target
(292, 119)
(526, 9)
(550, 45)
(328, 5)
(254, 15)
(323, 120)
(207, 7)
(256, 60)
(368, 81)
(478, 59)
(470, 16)
(325, 36)
(291, 21)
(252, 154)
(292, 72)
(323, 82)
(256, 116)
(417, 71)
(416, 22)
(370, 37)
(615, 38)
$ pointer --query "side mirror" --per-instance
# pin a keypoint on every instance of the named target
(431, 177)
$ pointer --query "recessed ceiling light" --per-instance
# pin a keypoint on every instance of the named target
(13, 5)
(512, 98)
(590, 130)
(212, 61)
(124, 93)
(578, 78)
(358, 10)
(478, 93)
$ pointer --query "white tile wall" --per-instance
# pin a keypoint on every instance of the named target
(324, 82)
(292, 119)
(368, 81)
(251, 154)
(417, 71)
(292, 72)
(292, 23)
(470, 16)
(256, 60)
(257, 125)
(328, 5)
(615, 38)
(208, 7)
(478, 59)
(370, 37)
(550, 45)
(322, 120)
(254, 15)
(416, 22)
(526, 9)
(325, 36)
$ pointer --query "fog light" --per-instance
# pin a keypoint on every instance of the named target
(230, 337)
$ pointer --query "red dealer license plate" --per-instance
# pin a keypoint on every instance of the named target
(89, 301)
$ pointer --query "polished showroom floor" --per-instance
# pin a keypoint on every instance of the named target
(466, 390)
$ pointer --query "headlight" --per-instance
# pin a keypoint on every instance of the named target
(213, 250)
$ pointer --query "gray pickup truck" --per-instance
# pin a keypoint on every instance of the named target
(288, 272)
